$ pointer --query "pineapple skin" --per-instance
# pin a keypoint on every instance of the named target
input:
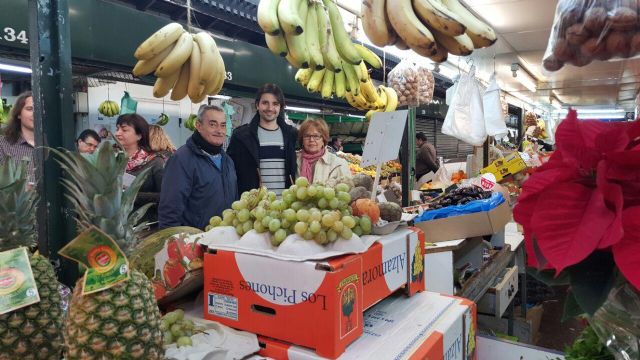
(35, 331)
(122, 322)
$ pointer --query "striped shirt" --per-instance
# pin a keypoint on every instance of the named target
(21, 150)
(272, 157)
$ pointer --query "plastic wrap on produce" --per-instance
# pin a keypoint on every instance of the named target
(293, 248)
(493, 202)
(584, 31)
(414, 83)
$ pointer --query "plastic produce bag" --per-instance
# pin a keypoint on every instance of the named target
(127, 104)
(584, 31)
(493, 114)
(465, 117)
(413, 83)
(451, 91)
(471, 207)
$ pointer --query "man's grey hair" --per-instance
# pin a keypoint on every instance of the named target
(205, 108)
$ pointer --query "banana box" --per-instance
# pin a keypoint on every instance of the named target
(314, 304)
(508, 165)
(426, 326)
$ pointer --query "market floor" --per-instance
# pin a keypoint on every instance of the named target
(553, 333)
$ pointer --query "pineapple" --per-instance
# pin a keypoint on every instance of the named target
(34, 331)
(122, 322)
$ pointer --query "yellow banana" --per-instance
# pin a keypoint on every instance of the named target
(441, 54)
(268, 16)
(352, 101)
(146, 67)
(195, 87)
(340, 84)
(481, 34)
(315, 82)
(392, 99)
(289, 17)
(159, 41)
(409, 27)
(381, 104)
(460, 45)
(313, 39)
(369, 114)
(364, 103)
(331, 57)
(180, 53)
(400, 44)
(277, 44)
(369, 91)
(327, 84)
(375, 23)
(438, 17)
(343, 41)
(352, 78)
(208, 51)
(369, 56)
(303, 76)
(362, 72)
(179, 90)
(164, 84)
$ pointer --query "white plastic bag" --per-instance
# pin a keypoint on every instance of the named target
(465, 117)
(493, 115)
(451, 91)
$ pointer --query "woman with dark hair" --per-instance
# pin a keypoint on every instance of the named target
(17, 140)
(132, 132)
(88, 141)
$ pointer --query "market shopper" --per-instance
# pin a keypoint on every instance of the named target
(335, 144)
(132, 132)
(426, 158)
(200, 178)
(315, 161)
(160, 142)
(264, 150)
(17, 140)
(88, 141)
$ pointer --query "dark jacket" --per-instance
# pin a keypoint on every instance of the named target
(194, 189)
(244, 149)
(150, 189)
(426, 160)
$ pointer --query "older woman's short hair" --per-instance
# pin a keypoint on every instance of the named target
(316, 124)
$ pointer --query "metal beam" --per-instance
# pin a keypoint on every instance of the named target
(50, 49)
(144, 5)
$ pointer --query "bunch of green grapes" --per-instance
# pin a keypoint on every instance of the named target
(176, 329)
(315, 212)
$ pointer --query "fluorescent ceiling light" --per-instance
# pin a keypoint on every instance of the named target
(14, 68)
(221, 97)
(523, 77)
(301, 109)
(595, 111)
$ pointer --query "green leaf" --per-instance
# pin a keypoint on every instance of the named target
(592, 280)
(571, 308)
(548, 277)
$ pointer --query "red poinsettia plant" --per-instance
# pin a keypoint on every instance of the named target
(581, 210)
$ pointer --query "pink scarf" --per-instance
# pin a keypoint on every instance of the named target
(309, 163)
(140, 158)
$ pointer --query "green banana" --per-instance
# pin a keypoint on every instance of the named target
(327, 84)
(313, 39)
(162, 120)
(343, 40)
(332, 60)
(369, 56)
(340, 84)
(352, 79)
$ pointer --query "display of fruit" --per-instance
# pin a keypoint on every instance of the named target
(34, 331)
(363, 180)
(362, 207)
(431, 28)
(388, 169)
(190, 123)
(183, 63)
(178, 330)
(460, 196)
(592, 30)
(109, 108)
(390, 211)
(314, 212)
(458, 176)
(413, 83)
(163, 119)
(359, 192)
(124, 320)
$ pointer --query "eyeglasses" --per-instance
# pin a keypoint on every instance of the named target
(312, 137)
(89, 144)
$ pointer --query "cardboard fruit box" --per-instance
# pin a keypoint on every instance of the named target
(508, 165)
(466, 226)
(315, 304)
(426, 326)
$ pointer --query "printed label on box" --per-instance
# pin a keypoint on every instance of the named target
(223, 306)
(349, 318)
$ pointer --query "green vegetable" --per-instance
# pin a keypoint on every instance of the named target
(588, 347)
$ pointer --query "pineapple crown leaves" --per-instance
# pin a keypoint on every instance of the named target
(94, 187)
(18, 204)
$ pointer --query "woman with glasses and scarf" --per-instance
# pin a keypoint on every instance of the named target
(132, 132)
(315, 161)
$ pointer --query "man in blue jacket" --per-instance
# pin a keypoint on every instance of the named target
(199, 179)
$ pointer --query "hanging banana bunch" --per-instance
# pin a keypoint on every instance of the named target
(183, 63)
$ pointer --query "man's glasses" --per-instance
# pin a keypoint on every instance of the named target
(89, 144)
